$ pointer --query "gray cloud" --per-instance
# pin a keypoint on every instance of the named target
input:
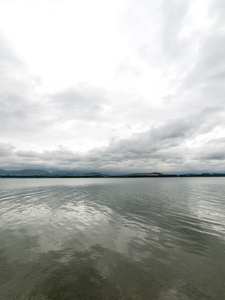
(212, 149)
(160, 148)
(209, 70)
(81, 103)
(6, 149)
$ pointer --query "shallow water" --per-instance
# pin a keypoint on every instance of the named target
(139, 238)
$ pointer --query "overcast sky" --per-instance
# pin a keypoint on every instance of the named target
(121, 85)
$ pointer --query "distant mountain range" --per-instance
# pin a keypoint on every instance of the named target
(76, 174)
(24, 172)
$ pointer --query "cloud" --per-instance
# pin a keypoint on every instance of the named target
(6, 149)
(162, 148)
(174, 19)
(150, 96)
(209, 69)
(17, 104)
(213, 149)
(216, 12)
(81, 103)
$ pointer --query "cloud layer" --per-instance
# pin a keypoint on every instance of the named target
(132, 86)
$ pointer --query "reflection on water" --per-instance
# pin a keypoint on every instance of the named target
(112, 238)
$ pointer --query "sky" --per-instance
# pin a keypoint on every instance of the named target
(120, 86)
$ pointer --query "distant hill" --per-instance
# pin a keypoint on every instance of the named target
(29, 172)
(76, 173)
(66, 172)
(153, 174)
(25, 172)
(45, 173)
(81, 174)
(3, 172)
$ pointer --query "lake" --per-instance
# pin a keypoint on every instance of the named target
(112, 238)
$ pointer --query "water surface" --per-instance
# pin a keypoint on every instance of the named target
(139, 238)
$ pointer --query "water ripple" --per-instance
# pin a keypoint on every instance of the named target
(129, 237)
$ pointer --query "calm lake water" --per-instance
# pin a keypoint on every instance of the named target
(140, 238)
